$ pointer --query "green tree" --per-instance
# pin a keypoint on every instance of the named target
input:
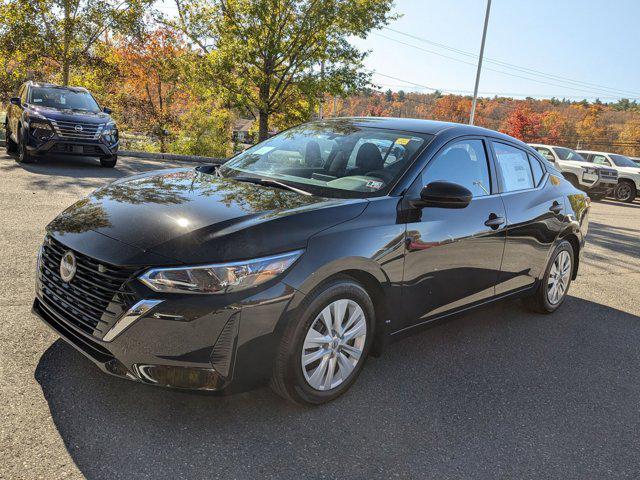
(65, 31)
(272, 56)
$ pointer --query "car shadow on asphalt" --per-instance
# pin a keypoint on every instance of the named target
(73, 171)
(496, 392)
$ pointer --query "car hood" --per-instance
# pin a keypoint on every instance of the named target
(579, 164)
(188, 216)
(70, 115)
(635, 170)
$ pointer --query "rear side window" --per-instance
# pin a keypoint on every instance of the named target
(600, 160)
(513, 165)
(464, 163)
(536, 169)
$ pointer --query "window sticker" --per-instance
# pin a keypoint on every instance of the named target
(374, 184)
(402, 141)
(37, 100)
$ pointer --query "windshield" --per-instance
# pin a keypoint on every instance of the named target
(339, 158)
(622, 161)
(568, 154)
(63, 98)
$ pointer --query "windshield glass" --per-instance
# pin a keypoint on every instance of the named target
(63, 98)
(568, 154)
(622, 161)
(339, 158)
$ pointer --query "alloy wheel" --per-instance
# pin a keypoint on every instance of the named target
(334, 344)
(559, 278)
(623, 191)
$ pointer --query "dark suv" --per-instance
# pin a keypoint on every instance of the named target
(49, 119)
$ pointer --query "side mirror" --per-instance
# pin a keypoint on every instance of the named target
(15, 101)
(443, 195)
(107, 110)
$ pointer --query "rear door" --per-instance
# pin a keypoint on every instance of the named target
(534, 208)
(453, 256)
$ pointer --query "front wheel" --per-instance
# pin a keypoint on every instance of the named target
(324, 349)
(23, 154)
(625, 191)
(109, 162)
(555, 284)
(9, 144)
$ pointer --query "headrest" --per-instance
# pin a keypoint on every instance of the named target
(369, 157)
(312, 156)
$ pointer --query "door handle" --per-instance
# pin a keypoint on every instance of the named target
(555, 208)
(494, 221)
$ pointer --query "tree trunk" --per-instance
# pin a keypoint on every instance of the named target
(65, 71)
(263, 128)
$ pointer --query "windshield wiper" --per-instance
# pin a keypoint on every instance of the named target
(268, 182)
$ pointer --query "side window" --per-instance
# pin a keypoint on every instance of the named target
(601, 160)
(546, 153)
(537, 170)
(514, 167)
(464, 163)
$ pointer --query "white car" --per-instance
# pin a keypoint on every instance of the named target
(628, 172)
(596, 180)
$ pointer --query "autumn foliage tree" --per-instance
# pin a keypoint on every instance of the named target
(151, 91)
(523, 123)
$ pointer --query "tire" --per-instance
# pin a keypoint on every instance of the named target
(625, 191)
(23, 154)
(573, 180)
(543, 301)
(295, 382)
(9, 144)
(109, 162)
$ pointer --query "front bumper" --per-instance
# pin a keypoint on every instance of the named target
(195, 342)
(96, 145)
(600, 186)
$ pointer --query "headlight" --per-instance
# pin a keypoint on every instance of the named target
(218, 278)
(40, 129)
(590, 170)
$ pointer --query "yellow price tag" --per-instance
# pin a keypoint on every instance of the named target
(402, 141)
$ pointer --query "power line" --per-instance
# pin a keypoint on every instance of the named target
(517, 67)
(593, 92)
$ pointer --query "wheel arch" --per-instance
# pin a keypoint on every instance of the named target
(369, 275)
(572, 238)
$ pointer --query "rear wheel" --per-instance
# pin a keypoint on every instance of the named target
(555, 284)
(625, 191)
(23, 154)
(9, 144)
(109, 162)
(324, 349)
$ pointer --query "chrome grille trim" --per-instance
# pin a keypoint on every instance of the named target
(93, 300)
(65, 129)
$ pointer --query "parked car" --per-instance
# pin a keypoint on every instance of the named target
(598, 182)
(635, 160)
(47, 119)
(628, 172)
(291, 263)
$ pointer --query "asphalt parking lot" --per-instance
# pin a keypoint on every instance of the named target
(497, 393)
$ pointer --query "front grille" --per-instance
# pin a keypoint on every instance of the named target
(606, 174)
(77, 130)
(93, 299)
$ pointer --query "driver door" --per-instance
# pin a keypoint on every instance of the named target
(453, 256)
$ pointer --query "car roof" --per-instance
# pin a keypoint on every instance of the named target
(53, 85)
(418, 125)
(596, 151)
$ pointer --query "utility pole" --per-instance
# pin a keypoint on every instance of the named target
(475, 90)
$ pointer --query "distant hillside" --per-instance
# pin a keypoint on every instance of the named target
(612, 127)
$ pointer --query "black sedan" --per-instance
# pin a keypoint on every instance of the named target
(299, 257)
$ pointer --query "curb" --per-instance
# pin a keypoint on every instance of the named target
(171, 156)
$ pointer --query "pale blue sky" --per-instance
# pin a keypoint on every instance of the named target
(591, 41)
